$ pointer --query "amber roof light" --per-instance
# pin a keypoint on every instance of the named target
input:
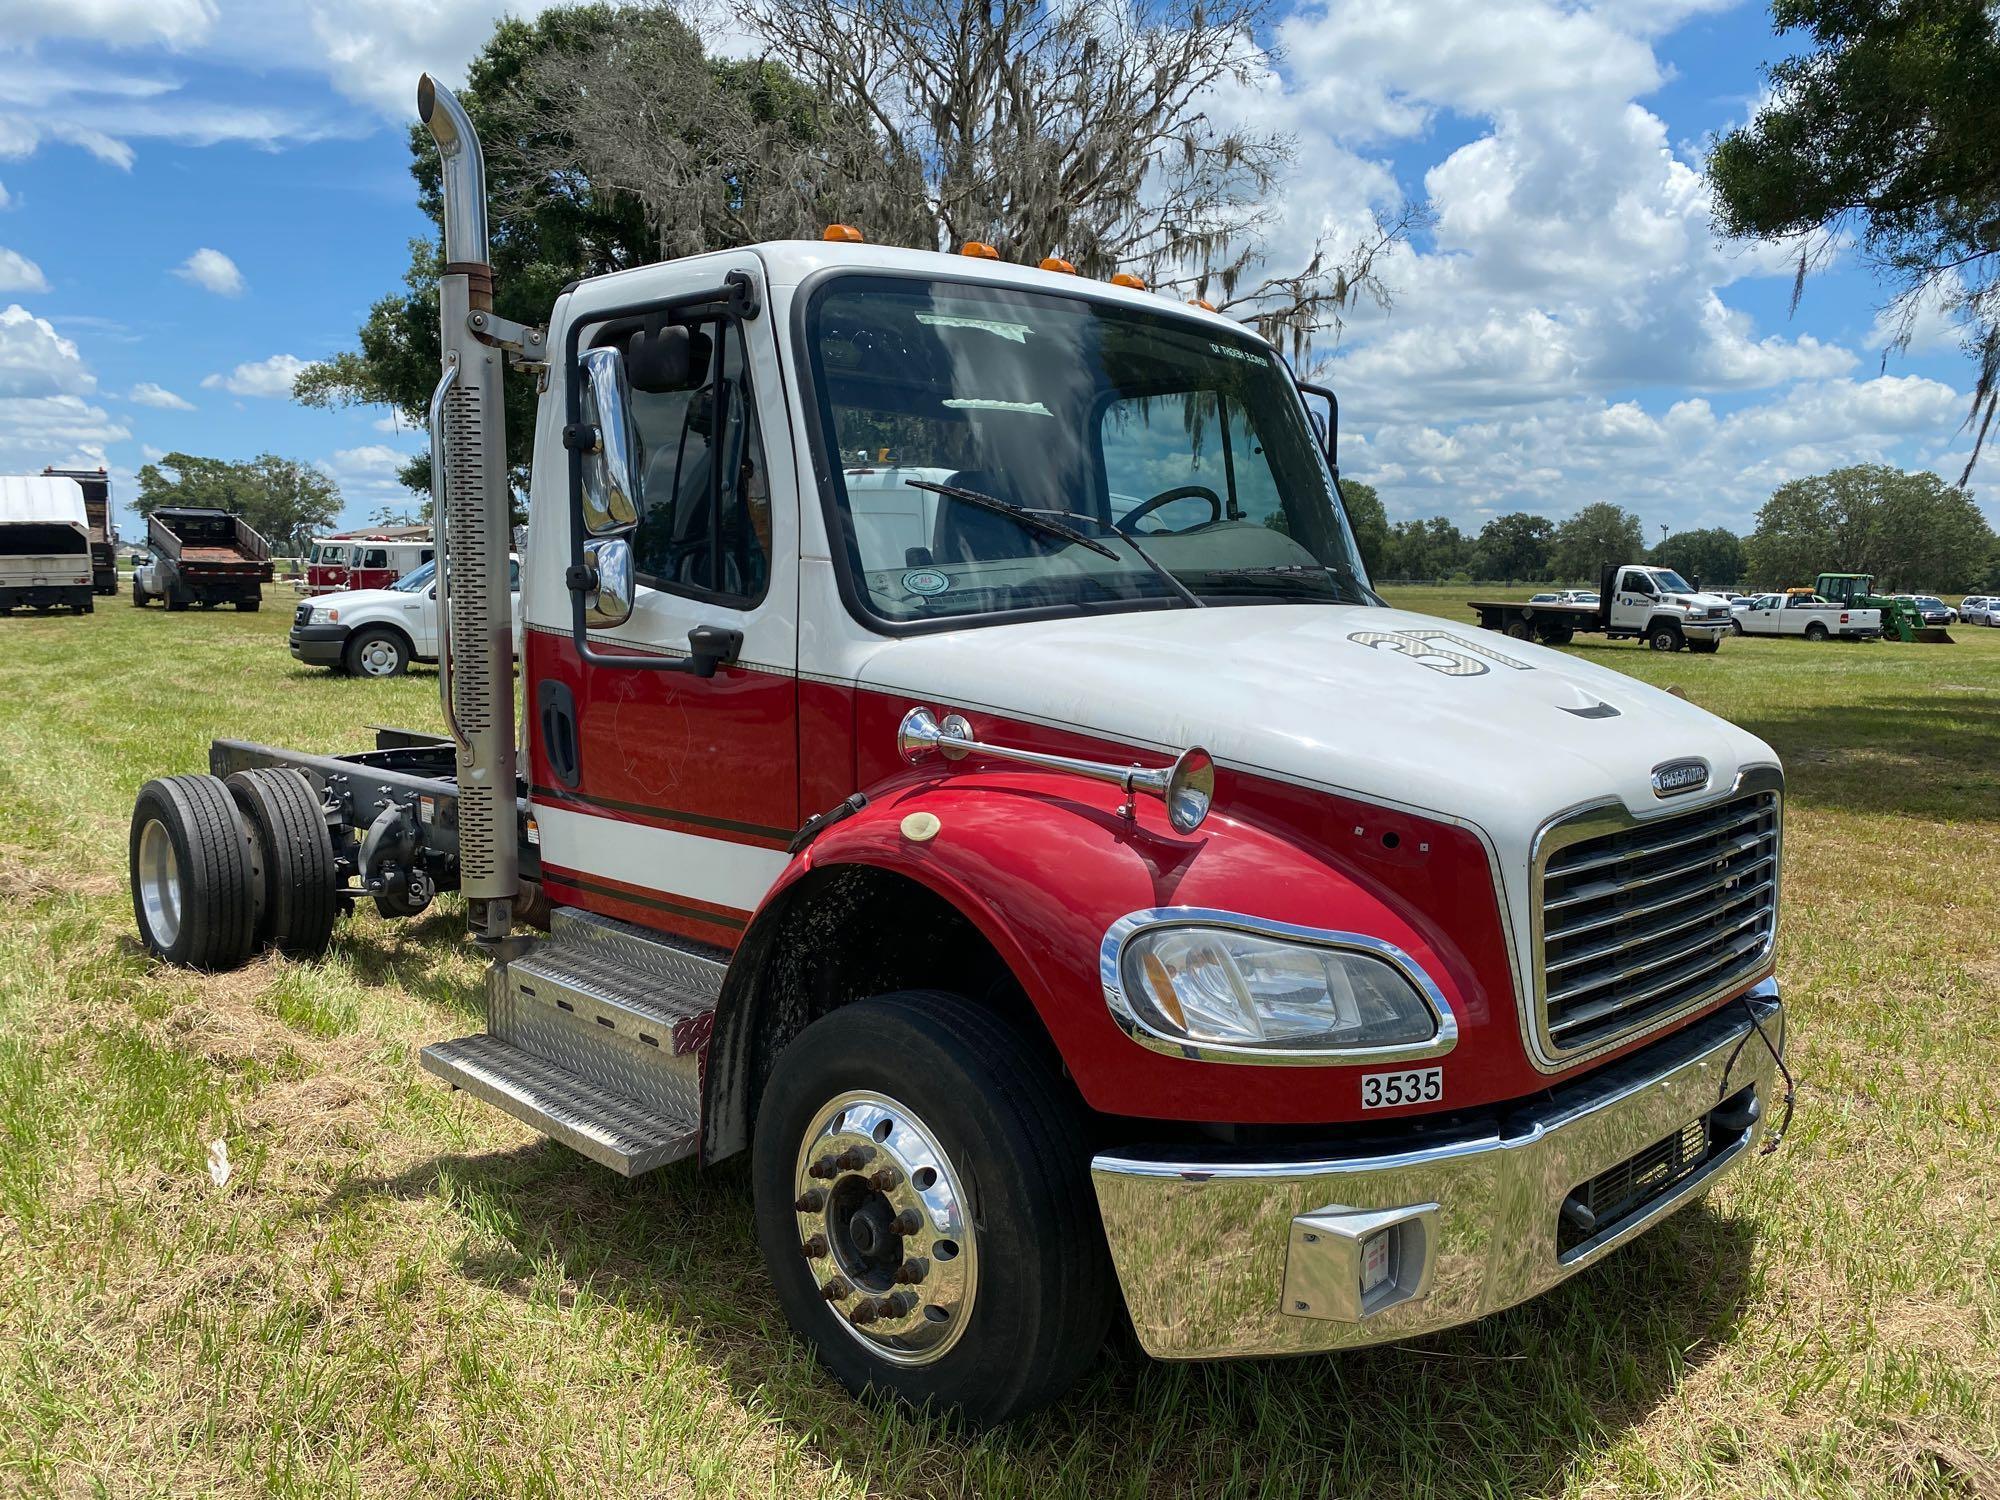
(1057, 263)
(1126, 278)
(846, 234)
(1201, 302)
(979, 250)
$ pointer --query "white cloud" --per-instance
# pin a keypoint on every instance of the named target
(145, 393)
(178, 23)
(19, 274)
(1931, 327)
(36, 361)
(39, 430)
(213, 271)
(5, 200)
(264, 377)
(371, 458)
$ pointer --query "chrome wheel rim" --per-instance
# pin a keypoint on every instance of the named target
(378, 658)
(884, 1226)
(160, 884)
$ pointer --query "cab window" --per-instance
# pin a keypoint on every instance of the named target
(375, 557)
(704, 492)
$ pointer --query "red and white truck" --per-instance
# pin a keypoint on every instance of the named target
(1069, 882)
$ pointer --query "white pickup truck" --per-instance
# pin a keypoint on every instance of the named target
(378, 632)
(1808, 615)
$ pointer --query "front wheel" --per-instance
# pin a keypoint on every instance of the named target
(376, 652)
(1665, 636)
(925, 1210)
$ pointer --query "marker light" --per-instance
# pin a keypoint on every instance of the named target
(979, 250)
(1201, 302)
(1057, 263)
(846, 234)
(1126, 278)
(1376, 1260)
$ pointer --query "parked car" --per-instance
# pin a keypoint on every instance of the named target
(1975, 609)
(379, 632)
(1935, 610)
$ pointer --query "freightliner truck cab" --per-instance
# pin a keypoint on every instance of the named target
(962, 763)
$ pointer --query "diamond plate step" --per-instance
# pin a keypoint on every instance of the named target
(602, 987)
(621, 1134)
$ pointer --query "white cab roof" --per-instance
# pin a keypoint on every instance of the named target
(38, 498)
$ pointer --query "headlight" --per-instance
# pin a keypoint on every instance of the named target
(1275, 989)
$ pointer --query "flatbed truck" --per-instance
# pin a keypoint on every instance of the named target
(1634, 602)
(202, 557)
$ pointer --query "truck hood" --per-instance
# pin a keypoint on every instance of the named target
(1390, 706)
(1698, 602)
(358, 599)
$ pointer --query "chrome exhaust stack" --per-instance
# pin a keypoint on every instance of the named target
(471, 514)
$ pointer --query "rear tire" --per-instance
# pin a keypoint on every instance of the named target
(1704, 648)
(998, 1320)
(190, 865)
(295, 853)
(248, 606)
(376, 651)
(1815, 631)
(1520, 630)
(1665, 636)
(175, 605)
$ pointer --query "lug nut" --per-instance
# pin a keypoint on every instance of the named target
(896, 1305)
(885, 1180)
(811, 1201)
(909, 1221)
(854, 1158)
(826, 1166)
(835, 1290)
(863, 1314)
(814, 1247)
(913, 1270)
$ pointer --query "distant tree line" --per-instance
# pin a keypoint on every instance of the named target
(1912, 530)
(285, 501)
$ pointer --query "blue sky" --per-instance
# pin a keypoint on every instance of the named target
(200, 194)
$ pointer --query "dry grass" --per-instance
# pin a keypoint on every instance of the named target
(402, 1293)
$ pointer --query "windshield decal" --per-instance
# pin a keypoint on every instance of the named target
(983, 403)
(1422, 646)
(1013, 332)
(926, 581)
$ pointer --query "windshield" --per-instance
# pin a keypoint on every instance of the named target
(1121, 425)
(417, 580)
(1672, 582)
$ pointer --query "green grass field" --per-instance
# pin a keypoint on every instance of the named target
(400, 1292)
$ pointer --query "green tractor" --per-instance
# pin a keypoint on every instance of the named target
(1900, 617)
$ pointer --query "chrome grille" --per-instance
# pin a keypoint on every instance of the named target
(1640, 920)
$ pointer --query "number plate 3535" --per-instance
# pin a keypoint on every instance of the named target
(1411, 1086)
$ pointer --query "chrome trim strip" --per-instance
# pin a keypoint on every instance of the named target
(1110, 974)
(1596, 821)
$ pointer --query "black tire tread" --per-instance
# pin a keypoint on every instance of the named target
(1074, 1278)
(218, 916)
(300, 900)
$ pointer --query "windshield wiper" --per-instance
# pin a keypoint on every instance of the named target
(1033, 520)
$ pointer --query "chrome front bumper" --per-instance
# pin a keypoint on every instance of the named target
(1239, 1257)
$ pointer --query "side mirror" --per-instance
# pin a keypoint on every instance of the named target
(609, 498)
(610, 563)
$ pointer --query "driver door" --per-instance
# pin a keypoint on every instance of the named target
(664, 797)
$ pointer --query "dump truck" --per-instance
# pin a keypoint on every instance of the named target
(96, 487)
(44, 545)
(1072, 889)
(202, 557)
(1634, 602)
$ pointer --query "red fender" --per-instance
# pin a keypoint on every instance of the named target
(1042, 863)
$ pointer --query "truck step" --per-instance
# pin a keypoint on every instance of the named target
(625, 1136)
(602, 987)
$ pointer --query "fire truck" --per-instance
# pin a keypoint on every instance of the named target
(963, 765)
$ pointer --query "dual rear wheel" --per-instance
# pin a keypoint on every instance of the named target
(219, 868)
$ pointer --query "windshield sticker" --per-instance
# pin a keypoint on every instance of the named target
(1423, 647)
(1230, 351)
(1014, 332)
(981, 403)
(926, 581)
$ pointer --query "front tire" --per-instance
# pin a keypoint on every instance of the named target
(376, 652)
(1665, 636)
(190, 864)
(925, 1210)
